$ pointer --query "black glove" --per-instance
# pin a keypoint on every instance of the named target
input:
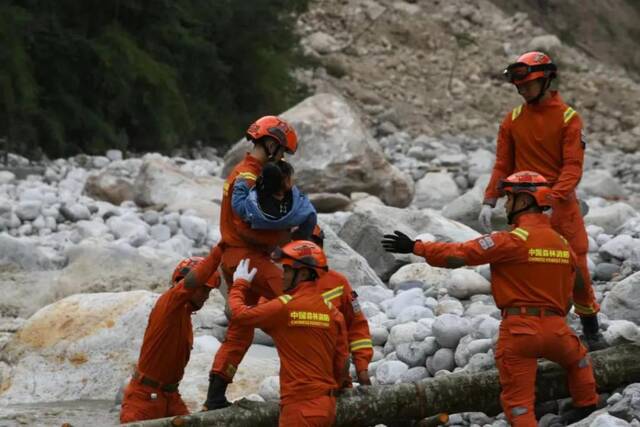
(590, 325)
(398, 242)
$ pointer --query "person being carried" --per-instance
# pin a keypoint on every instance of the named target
(534, 272)
(308, 331)
(152, 391)
(274, 203)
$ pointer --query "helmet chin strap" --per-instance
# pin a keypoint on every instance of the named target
(543, 90)
(293, 280)
(512, 215)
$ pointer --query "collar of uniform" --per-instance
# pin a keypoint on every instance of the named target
(532, 219)
(302, 288)
(250, 159)
(554, 99)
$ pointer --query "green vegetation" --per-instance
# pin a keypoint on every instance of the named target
(142, 75)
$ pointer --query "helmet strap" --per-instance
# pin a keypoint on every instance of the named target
(543, 90)
(513, 214)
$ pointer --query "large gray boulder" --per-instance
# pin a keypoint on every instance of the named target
(600, 183)
(336, 153)
(122, 268)
(86, 346)
(161, 184)
(369, 222)
(623, 300)
(114, 183)
(611, 217)
(345, 260)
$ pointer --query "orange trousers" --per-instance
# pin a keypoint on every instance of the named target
(267, 284)
(142, 402)
(318, 412)
(522, 340)
(567, 220)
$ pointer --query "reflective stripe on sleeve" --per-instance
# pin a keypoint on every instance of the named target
(360, 344)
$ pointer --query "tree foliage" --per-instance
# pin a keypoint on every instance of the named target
(142, 75)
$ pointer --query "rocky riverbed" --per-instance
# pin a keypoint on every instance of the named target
(88, 245)
(399, 135)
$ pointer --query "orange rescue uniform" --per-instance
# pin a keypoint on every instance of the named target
(533, 271)
(310, 336)
(166, 347)
(239, 241)
(547, 138)
(335, 288)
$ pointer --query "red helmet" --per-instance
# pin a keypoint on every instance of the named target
(186, 265)
(301, 254)
(531, 183)
(530, 66)
(317, 236)
(276, 128)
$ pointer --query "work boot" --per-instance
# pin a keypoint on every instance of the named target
(594, 342)
(573, 415)
(216, 398)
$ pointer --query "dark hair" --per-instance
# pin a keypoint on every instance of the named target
(285, 168)
(270, 181)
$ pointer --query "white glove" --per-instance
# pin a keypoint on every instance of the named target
(485, 218)
(242, 271)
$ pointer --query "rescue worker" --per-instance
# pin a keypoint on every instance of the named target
(271, 138)
(545, 135)
(152, 391)
(533, 273)
(309, 334)
(335, 288)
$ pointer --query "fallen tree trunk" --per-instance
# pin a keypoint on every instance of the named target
(460, 392)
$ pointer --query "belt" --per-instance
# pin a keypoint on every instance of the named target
(530, 311)
(169, 388)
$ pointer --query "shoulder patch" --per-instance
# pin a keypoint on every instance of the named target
(285, 298)
(354, 303)
(516, 112)
(486, 242)
(568, 114)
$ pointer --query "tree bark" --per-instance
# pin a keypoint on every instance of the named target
(460, 392)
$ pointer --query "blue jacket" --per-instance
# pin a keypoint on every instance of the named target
(244, 202)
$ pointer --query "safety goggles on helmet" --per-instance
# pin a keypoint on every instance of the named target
(301, 254)
(517, 187)
(520, 71)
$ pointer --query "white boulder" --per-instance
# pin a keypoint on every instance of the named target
(463, 283)
(390, 371)
(623, 300)
(435, 190)
(449, 328)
